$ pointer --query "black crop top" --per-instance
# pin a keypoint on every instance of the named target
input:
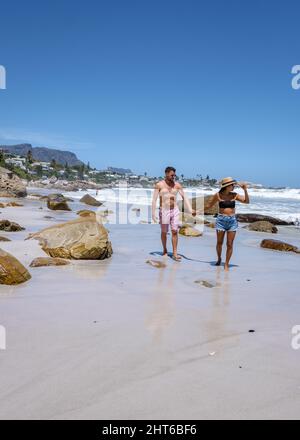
(227, 203)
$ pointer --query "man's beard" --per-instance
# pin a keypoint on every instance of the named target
(171, 180)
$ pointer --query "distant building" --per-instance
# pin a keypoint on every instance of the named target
(16, 161)
(120, 171)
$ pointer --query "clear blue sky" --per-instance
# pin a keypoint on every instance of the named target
(204, 86)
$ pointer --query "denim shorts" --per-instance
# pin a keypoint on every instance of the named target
(226, 223)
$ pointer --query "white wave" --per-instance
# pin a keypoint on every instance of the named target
(281, 203)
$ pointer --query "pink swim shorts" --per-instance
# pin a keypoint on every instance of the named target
(169, 217)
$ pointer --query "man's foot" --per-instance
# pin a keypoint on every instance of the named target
(165, 253)
(176, 257)
(226, 267)
(218, 263)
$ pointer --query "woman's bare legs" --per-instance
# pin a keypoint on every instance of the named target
(220, 239)
(230, 240)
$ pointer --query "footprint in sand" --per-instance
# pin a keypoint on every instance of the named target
(206, 283)
(156, 263)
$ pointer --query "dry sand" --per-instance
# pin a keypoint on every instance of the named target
(120, 339)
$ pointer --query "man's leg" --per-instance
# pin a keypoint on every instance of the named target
(164, 220)
(174, 222)
(174, 245)
(164, 242)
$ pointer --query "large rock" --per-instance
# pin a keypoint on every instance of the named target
(279, 245)
(11, 185)
(11, 270)
(199, 203)
(84, 238)
(86, 213)
(8, 226)
(190, 219)
(189, 231)
(48, 261)
(251, 218)
(89, 200)
(57, 202)
(262, 226)
(4, 238)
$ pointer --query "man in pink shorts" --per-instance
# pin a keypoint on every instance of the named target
(167, 191)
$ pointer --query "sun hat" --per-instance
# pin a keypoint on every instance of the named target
(227, 181)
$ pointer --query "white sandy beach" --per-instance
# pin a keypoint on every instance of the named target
(119, 339)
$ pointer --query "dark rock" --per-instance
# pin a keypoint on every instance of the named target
(262, 226)
(251, 218)
(11, 270)
(8, 226)
(89, 200)
(279, 245)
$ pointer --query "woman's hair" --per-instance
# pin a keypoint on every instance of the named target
(223, 189)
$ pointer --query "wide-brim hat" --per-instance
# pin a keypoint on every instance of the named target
(227, 181)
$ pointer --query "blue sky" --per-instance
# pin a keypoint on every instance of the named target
(204, 86)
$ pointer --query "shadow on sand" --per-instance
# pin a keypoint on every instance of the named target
(212, 263)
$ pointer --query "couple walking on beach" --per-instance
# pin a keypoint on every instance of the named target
(226, 223)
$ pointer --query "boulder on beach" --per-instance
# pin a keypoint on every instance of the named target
(57, 197)
(279, 245)
(11, 270)
(8, 226)
(48, 261)
(262, 226)
(189, 231)
(86, 213)
(89, 200)
(84, 238)
(251, 218)
(13, 204)
(57, 202)
(4, 238)
(190, 219)
(201, 203)
(11, 185)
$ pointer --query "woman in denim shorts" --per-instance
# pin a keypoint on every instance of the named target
(226, 220)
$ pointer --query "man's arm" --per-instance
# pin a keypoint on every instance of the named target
(186, 201)
(154, 200)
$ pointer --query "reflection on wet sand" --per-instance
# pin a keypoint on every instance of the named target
(162, 303)
(215, 327)
(90, 269)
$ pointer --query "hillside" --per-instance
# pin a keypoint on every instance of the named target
(44, 154)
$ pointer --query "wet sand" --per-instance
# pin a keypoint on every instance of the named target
(120, 339)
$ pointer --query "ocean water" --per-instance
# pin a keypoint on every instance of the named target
(281, 203)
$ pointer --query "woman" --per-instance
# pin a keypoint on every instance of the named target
(226, 220)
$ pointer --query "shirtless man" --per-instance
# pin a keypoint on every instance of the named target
(167, 191)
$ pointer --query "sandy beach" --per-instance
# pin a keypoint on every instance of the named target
(120, 339)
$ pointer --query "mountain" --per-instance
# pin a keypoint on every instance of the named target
(44, 154)
(119, 170)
